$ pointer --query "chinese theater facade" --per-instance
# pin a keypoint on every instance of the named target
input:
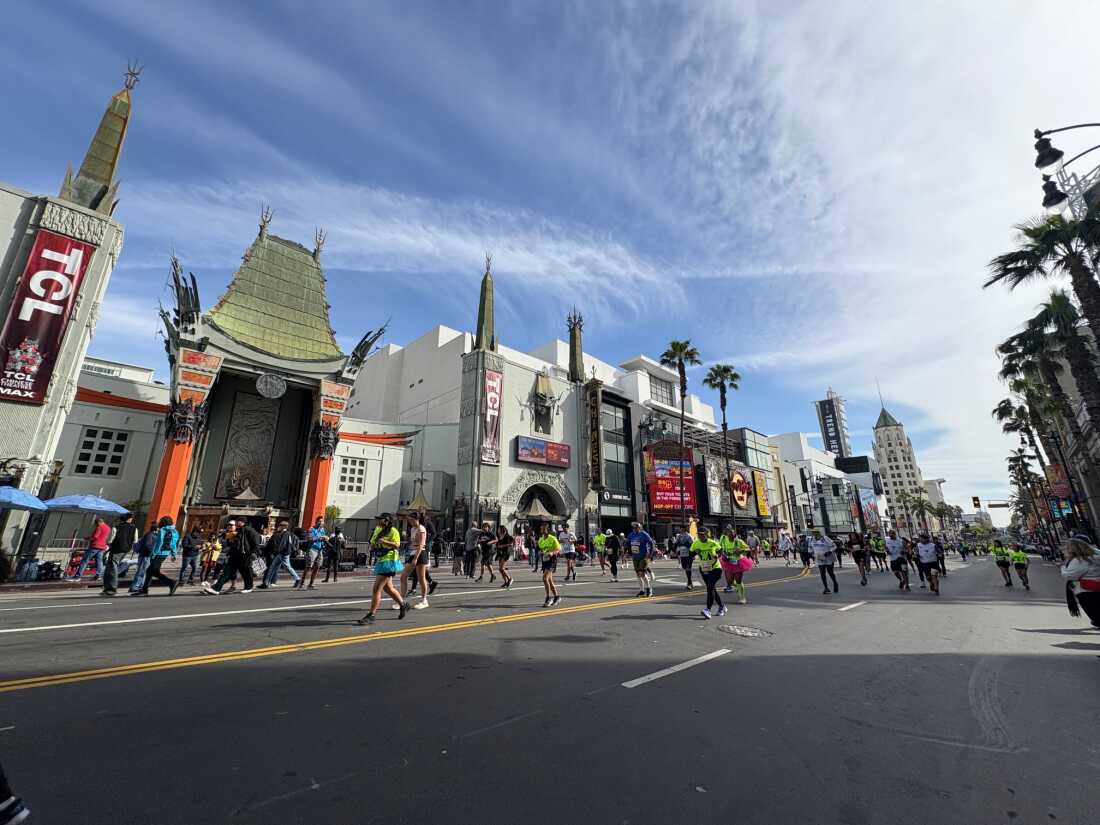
(259, 387)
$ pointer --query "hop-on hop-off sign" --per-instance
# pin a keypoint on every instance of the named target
(39, 314)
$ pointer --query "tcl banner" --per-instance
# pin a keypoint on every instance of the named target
(39, 313)
(490, 425)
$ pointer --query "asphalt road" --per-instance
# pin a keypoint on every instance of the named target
(976, 707)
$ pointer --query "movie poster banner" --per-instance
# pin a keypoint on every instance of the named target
(760, 484)
(39, 315)
(490, 423)
(668, 471)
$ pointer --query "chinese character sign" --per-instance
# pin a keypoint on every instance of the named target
(39, 314)
(490, 424)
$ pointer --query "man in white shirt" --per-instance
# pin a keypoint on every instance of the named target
(568, 541)
(928, 561)
(824, 550)
(895, 549)
(786, 546)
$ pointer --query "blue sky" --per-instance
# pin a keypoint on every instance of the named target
(808, 191)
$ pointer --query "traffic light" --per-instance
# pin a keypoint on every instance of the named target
(977, 503)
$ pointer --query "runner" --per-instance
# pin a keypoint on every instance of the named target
(685, 548)
(386, 541)
(1020, 561)
(857, 546)
(549, 547)
(878, 553)
(941, 556)
(568, 542)
(1003, 557)
(824, 550)
(804, 551)
(735, 561)
(613, 544)
(505, 543)
(911, 560)
(895, 549)
(641, 550)
(417, 559)
(786, 546)
(485, 553)
(708, 551)
(599, 541)
(926, 557)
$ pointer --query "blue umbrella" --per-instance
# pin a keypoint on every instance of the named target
(83, 504)
(12, 498)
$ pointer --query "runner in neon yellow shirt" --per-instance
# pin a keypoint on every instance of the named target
(1020, 561)
(708, 552)
(1002, 556)
(549, 547)
(387, 541)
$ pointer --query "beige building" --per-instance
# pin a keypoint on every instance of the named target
(901, 474)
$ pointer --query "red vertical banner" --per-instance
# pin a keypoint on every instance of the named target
(39, 314)
(490, 425)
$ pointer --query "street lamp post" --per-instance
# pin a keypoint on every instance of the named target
(1072, 191)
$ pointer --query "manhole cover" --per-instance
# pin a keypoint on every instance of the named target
(745, 630)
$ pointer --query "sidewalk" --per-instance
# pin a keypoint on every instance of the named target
(170, 570)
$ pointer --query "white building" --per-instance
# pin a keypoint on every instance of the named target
(823, 495)
(56, 258)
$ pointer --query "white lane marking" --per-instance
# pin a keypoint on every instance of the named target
(668, 671)
(214, 613)
(850, 606)
(55, 606)
(9, 727)
(500, 724)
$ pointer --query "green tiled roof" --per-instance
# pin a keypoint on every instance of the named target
(276, 303)
(886, 420)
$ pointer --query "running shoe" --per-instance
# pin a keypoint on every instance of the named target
(744, 600)
(403, 610)
(209, 590)
(649, 593)
(172, 588)
(722, 610)
(394, 606)
(556, 600)
(431, 587)
(13, 810)
(640, 593)
(247, 590)
(706, 613)
(311, 587)
(826, 591)
(547, 602)
(368, 619)
(727, 589)
(420, 605)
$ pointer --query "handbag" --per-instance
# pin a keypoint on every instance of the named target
(259, 566)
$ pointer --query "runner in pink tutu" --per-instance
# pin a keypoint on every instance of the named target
(735, 561)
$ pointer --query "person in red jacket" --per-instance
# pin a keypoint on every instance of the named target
(97, 546)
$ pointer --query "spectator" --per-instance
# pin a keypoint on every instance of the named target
(121, 543)
(97, 545)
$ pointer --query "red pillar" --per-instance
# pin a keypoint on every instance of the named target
(320, 473)
(175, 464)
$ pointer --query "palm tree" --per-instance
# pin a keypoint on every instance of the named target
(1017, 418)
(678, 356)
(723, 377)
(905, 500)
(1036, 355)
(1054, 246)
(1059, 319)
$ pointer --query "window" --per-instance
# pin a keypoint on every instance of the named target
(661, 391)
(353, 473)
(101, 452)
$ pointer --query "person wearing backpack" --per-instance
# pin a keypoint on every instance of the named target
(125, 533)
(145, 554)
(164, 546)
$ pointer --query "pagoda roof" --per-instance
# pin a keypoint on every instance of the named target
(276, 303)
(886, 420)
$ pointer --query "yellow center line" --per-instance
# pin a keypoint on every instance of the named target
(322, 644)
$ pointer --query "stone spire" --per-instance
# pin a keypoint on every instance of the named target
(576, 353)
(486, 338)
(94, 185)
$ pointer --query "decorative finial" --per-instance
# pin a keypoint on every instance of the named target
(133, 73)
(265, 219)
(880, 401)
(488, 262)
(574, 320)
(318, 243)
